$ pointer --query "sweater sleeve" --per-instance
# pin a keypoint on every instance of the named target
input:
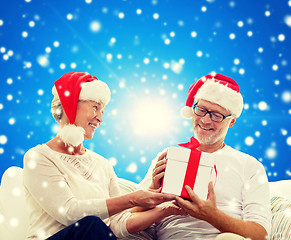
(256, 200)
(48, 187)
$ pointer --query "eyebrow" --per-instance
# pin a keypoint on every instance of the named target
(211, 110)
(99, 104)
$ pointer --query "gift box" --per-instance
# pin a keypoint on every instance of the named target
(187, 167)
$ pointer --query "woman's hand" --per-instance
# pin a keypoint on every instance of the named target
(141, 220)
(171, 208)
(150, 198)
(159, 171)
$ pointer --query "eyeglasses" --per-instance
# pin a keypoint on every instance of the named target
(214, 116)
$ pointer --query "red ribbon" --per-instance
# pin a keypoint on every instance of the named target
(193, 144)
(192, 166)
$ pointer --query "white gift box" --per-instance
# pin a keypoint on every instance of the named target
(180, 171)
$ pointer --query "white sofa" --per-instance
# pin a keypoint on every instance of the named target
(14, 219)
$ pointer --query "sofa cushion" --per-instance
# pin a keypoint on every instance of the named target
(281, 218)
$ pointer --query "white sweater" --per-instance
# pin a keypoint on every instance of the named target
(62, 188)
(241, 190)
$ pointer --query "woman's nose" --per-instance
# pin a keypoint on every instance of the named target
(99, 118)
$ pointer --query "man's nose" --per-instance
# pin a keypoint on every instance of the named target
(206, 118)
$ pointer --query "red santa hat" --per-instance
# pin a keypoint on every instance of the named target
(72, 87)
(216, 88)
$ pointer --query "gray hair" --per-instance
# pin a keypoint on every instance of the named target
(57, 108)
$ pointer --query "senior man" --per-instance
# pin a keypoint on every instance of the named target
(238, 206)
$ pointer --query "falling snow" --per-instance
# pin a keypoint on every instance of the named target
(149, 53)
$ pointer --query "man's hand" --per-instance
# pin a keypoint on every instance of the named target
(198, 208)
(159, 171)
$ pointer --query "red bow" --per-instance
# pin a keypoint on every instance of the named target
(193, 144)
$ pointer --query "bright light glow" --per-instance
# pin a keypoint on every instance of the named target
(151, 117)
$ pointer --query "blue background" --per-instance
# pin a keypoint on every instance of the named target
(149, 53)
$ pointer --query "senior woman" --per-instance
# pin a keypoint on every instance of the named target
(73, 192)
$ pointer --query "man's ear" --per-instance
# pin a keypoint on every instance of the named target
(232, 122)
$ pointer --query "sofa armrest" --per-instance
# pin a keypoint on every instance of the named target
(280, 188)
(281, 209)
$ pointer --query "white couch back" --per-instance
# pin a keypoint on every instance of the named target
(13, 213)
(281, 188)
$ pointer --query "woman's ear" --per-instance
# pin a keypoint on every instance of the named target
(232, 122)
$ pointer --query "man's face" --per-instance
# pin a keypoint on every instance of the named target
(207, 131)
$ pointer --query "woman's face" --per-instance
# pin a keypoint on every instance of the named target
(89, 116)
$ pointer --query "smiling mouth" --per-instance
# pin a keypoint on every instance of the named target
(94, 125)
(206, 129)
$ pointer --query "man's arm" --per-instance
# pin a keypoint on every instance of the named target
(208, 211)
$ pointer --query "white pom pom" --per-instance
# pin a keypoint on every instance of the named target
(72, 135)
(187, 112)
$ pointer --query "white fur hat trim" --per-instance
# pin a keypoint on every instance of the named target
(187, 112)
(71, 135)
(97, 91)
(222, 95)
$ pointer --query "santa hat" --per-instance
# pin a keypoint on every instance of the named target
(72, 87)
(215, 88)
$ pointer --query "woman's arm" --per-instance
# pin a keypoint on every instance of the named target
(139, 221)
(146, 199)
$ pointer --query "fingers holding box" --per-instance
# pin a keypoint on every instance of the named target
(159, 171)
